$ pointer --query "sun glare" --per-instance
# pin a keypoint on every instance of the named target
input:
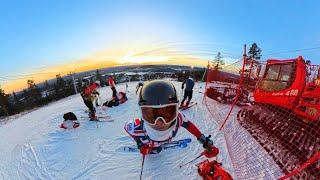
(132, 59)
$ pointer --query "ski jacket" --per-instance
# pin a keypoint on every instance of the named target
(139, 131)
(90, 92)
(189, 84)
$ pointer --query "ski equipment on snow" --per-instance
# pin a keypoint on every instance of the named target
(171, 145)
(182, 108)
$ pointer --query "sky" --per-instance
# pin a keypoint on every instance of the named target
(41, 38)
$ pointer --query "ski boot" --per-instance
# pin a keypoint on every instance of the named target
(92, 116)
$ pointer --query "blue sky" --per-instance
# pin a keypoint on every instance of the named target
(40, 33)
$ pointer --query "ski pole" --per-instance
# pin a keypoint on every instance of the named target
(192, 160)
(143, 157)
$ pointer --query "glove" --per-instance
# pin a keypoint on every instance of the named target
(213, 152)
(205, 141)
(210, 149)
(145, 149)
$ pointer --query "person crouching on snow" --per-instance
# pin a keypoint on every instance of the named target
(161, 119)
(120, 98)
(70, 121)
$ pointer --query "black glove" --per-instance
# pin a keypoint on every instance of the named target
(139, 143)
(206, 142)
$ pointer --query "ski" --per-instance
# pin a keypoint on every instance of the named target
(171, 145)
(99, 119)
(182, 108)
(102, 120)
(102, 117)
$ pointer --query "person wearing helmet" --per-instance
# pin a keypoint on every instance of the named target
(187, 91)
(89, 95)
(140, 84)
(160, 119)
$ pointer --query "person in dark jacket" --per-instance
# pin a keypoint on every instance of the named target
(189, 82)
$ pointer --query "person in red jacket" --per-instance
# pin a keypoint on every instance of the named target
(161, 119)
(89, 95)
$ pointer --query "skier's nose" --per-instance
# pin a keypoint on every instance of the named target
(160, 122)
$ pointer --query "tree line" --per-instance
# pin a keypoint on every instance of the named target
(34, 96)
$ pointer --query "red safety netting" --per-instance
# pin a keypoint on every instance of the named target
(269, 113)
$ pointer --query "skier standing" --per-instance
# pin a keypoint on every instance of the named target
(189, 82)
(140, 84)
(89, 95)
(161, 119)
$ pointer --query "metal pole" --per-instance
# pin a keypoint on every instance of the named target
(74, 84)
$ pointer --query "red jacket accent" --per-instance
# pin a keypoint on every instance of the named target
(90, 89)
(192, 129)
(111, 82)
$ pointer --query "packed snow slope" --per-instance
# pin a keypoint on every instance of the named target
(34, 147)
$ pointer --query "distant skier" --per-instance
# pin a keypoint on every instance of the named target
(140, 84)
(189, 82)
(89, 95)
(161, 119)
(70, 121)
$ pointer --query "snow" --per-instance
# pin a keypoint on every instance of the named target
(34, 147)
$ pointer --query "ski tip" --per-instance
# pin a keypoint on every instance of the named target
(183, 145)
(187, 140)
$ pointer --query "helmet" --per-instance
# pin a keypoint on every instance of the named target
(85, 82)
(158, 101)
(158, 92)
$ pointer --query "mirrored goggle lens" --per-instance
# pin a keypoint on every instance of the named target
(168, 113)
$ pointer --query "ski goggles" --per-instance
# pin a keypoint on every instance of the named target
(152, 113)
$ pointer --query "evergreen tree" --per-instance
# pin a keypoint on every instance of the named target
(15, 97)
(60, 86)
(254, 53)
(46, 85)
(218, 62)
(34, 94)
(4, 102)
(18, 105)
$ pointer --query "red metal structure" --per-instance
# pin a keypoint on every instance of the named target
(285, 119)
(285, 84)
